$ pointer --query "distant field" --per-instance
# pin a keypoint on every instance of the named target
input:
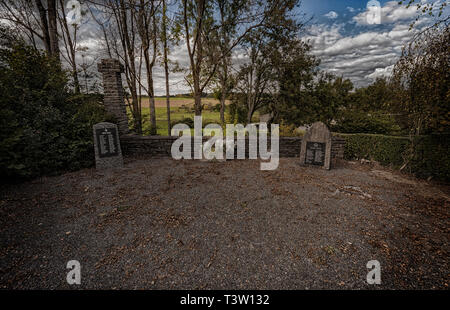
(177, 113)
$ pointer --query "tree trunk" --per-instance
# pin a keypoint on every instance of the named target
(44, 25)
(70, 46)
(223, 97)
(169, 126)
(76, 82)
(199, 57)
(166, 65)
(224, 89)
(129, 59)
(151, 94)
(197, 102)
(53, 28)
(249, 116)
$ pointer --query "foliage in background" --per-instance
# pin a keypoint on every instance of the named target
(430, 153)
(237, 110)
(420, 83)
(354, 121)
(386, 150)
(43, 129)
(322, 101)
(366, 110)
(431, 157)
(289, 131)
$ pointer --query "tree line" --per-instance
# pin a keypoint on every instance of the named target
(249, 53)
(141, 33)
(277, 73)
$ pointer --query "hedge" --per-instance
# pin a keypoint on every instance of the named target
(44, 128)
(426, 156)
(432, 157)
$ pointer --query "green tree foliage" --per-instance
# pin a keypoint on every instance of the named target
(295, 70)
(43, 129)
(328, 96)
(279, 65)
(421, 82)
(367, 111)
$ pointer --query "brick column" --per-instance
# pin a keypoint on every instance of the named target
(111, 70)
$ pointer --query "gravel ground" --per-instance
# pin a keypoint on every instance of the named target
(163, 224)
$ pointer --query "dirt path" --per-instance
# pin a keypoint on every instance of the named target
(162, 224)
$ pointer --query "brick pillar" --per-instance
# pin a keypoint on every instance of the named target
(111, 70)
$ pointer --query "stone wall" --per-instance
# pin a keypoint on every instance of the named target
(159, 146)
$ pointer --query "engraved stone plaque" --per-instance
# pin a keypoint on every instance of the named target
(107, 146)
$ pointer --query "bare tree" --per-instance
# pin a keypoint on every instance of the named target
(69, 39)
(164, 39)
(123, 42)
(145, 14)
(101, 23)
(253, 78)
(201, 32)
(44, 25)
(30, 23)
(53, 28)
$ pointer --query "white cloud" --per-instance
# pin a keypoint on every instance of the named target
(361, 57)
(323, 36)
(381, 72)
(391, 12)
(350, 9)
(331, 15)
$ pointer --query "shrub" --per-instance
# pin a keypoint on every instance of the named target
(216, 107)
(361, 122)
(288, 130)
(424, 156)
(237, 112)
(387, 150)
(430, 157)
(44, 129)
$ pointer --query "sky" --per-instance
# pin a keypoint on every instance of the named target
(354, 45)
(343, 33)
(348, 41)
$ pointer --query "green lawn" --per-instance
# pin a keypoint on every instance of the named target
(176, 113)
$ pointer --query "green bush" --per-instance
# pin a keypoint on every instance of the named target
(362, 122)
(431, 157)
(237, 111)
(216, 107)
(44, 129)
(424, 156)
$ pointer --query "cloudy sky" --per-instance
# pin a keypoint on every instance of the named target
(353, 43)
(345, 34)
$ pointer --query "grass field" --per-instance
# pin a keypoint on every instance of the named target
(177, 112)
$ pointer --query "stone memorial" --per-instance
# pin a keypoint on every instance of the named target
(108, 153)
(112, 70)
(316, 146)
